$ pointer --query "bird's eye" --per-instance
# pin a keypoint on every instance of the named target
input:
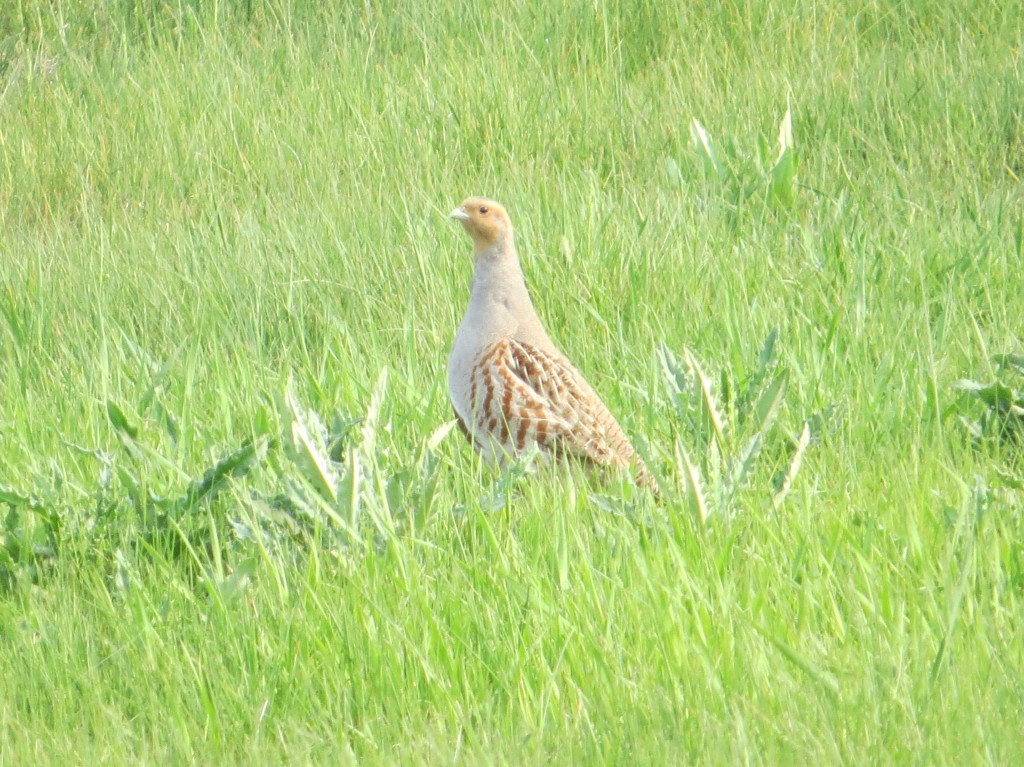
(483, 210)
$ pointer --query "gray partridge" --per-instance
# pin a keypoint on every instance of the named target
(511, 388)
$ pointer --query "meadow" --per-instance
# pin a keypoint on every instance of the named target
(784, 242)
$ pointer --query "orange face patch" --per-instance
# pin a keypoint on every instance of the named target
(485, 220)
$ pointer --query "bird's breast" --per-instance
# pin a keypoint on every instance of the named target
(465, 349)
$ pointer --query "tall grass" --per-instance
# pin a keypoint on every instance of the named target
(234, 526)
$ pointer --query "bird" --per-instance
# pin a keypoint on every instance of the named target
(511, 388)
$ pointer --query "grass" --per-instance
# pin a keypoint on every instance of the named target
(220, 222)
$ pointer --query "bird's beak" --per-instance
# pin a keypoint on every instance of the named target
(459, 214)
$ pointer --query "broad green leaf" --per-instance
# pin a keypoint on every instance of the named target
(782, 178)
(996, 395)
(698, 502)
(707, 400)
(1013, 361)
(236, 464)
(767, 406)
(125, 431)
(438, 435)
(304, 445)
(794, 465)
(702, 142)
(14, 498)
(767, 354)
(371, 422)
(741, 467)
(120, 421)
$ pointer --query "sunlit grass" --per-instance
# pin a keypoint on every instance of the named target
(235, 525)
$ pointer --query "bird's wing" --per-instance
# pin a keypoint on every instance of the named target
(508, 409)
(523, 395)
(588, 429)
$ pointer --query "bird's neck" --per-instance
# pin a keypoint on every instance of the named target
(498, 276)
(499, 304)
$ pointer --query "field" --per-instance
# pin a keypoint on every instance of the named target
(784, 241)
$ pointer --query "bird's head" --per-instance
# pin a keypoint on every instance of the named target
(485, 220)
